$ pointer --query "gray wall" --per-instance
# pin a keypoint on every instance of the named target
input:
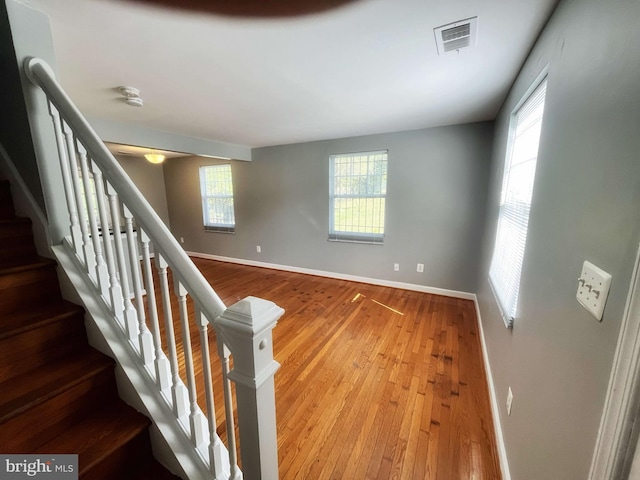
(14, 124)
(586, 205)
(435, 207)
(149, 179)
(23, 32)
(31, 36)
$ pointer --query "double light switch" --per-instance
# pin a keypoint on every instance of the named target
(593, 288)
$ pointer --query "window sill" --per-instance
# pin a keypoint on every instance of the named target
(228, 230)
(507, 319)
(362, 240)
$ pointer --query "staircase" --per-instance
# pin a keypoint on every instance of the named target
(57, 394)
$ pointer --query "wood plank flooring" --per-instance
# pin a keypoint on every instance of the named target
(375, 382)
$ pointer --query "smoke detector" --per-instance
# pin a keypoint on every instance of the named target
(451, 38)
(131, 96)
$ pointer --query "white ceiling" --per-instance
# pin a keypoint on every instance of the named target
(368, 67)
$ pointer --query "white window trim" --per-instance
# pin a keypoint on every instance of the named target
(355, 237)
(215, 227)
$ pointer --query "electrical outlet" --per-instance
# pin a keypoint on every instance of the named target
(396, 267)
(258, 248)
(593, 289)
(509, 401)
(181, 239)
(420, 268)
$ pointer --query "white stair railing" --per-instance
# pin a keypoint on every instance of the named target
(111, 232)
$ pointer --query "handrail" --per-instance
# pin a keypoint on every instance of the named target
(100, 197)
(41, 74)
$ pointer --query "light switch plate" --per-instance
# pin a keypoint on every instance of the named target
(593, 289)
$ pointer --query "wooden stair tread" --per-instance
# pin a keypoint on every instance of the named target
(25, 391)
(14, 220)
(94, 438)
(57, 394)
(9, 267)
(37, 316)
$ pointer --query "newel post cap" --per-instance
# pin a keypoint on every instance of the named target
(245, 328)
(251, 315)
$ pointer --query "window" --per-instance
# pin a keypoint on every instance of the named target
(515, 201)
(216, 187)
(357, 190)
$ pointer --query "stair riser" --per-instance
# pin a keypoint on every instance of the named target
(50, 418)
(23, 251)
(17, 246)
(6, 202)
(6, 211)
(122, 462)
(17, 228)
(34, 348)
(16, 239)
(19, 289)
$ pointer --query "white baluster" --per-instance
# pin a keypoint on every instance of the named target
(115, 271)
(245, 328)
(163, 377)
(74, 226)
(224, 353)
(144, 336)
(102, 276)
(129, 313)
(196, 419)
(179, 393)
(87, 248)
(215, 446)
(115, 291)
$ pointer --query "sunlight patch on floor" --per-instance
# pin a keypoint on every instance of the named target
(359, 295)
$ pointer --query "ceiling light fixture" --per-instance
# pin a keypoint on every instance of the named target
(131, 96)
(154, 157)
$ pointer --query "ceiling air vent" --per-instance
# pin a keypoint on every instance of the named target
(457, 35)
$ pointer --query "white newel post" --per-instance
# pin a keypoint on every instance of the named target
(246, 329)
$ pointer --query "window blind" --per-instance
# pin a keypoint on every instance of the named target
(515, 202)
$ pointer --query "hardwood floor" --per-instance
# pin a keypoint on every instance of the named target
(375, 382)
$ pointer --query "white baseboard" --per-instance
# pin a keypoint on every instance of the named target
(495, 411)
(339, 276)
